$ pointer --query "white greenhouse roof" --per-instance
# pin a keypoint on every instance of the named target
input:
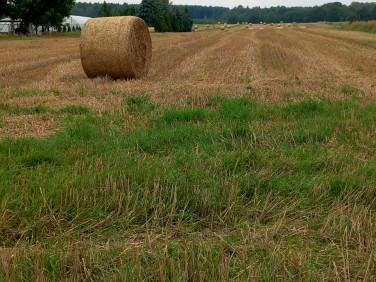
(76, 21)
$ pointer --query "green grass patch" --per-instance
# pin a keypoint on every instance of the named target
(369, 26)
(235, 165)
(14, 38)
(17, 109)
(76, 110)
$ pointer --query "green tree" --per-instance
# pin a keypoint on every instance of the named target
(105, 10)
(148, 12)
(161, 25)
(187, 21)
(41, 13)
(174, 23)
(364, 14)
(3, 8)
(168, 21)
(373, 14)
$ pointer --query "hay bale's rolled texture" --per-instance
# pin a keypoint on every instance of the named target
(222, 27)
(119, 47)
(151, 29)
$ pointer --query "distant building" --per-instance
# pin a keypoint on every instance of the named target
(8, 25)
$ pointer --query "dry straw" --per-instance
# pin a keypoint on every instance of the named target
(119, 47)
(151, 29)
(222, 27)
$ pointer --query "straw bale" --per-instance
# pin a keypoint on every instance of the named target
(119, 47)
(196, 27)
(222, 27)
(208, 25)
(151, 29)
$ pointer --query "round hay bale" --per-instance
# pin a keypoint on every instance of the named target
(196, 27)
(222, 27)
(208, 25)
(288, 25)
(219, 23)
(246, 26)
(279, 25)
(151, 29)
(119, 47)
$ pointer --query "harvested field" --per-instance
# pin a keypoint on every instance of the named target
(244, 154)
(314, 62)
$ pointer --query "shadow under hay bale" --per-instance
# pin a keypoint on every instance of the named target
(119, 47)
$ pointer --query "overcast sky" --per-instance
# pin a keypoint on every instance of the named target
(234, 3)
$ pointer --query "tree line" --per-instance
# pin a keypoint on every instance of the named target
(331, 12)
(160, 14)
